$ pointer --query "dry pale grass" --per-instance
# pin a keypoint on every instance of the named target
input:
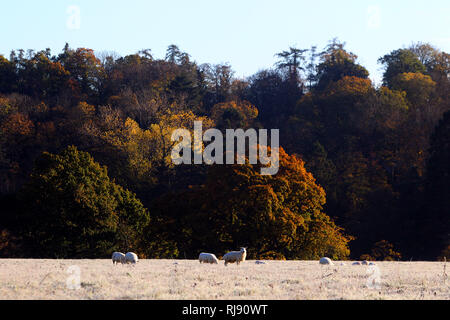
(187, 279)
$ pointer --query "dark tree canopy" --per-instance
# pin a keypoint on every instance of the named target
(435, 222)
(372, 160)
(336, 63)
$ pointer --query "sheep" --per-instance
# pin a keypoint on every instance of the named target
(208, 258)
(235, 256)
(118, 257)
(131, 257)
(325, 260)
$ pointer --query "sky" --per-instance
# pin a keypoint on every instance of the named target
(244, 33)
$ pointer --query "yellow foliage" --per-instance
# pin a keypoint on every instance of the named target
(418, 87)
(85, 109)
(149, 148)
(351, 86)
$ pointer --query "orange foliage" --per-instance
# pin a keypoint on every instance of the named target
(18, 124)
(352, 86)
(280, 213)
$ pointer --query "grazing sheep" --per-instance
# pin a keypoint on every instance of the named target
(235, 256)
(131, 257)
(325, 260)
(118, 257)
(208, 258)
(356, 263)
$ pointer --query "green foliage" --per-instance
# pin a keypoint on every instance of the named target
(72, 209)
(398, 62)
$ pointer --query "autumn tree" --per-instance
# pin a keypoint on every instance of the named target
(419, 88)
(398, 62)
(85, 69)
(142, 155)
(37, 74)
(276, 216)
(17, 133)
(337, 63)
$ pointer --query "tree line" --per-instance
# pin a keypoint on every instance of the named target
(85, 166)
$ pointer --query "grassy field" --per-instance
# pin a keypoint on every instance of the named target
(187, 279)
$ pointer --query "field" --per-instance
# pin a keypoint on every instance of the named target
(187, 279)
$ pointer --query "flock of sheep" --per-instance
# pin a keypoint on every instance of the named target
(230, 257)
(326, 260)
(239, 256)
(129, 257)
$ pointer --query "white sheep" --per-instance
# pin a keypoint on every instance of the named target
(208, 258)
(131, 257)
(235, 256)
(118, 257)
(325, 260)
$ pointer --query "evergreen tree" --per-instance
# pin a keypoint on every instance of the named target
(72, 209)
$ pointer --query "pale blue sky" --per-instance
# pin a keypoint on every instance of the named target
(245, 33)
